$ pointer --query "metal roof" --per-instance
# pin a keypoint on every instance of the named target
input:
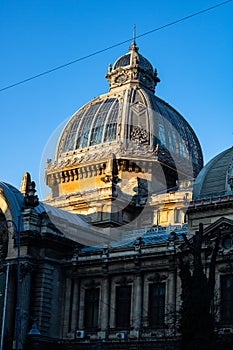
(14, 199)
(212, 181)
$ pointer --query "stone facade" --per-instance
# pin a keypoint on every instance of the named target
(57, 273)
(97, 263)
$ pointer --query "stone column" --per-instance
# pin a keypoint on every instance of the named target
(137, 307)
(75, 306)
(67, 306)
(105, 305)
(25, 289)
(10, 314)
(171, 292)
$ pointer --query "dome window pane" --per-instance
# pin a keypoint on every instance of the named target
(171, 141)
(111, 127)
(84, 130)
(96, 135)
(99, 122)
(162, 137)
(84, 139)
(182, 150)
(114, 112)
(110, 133)
(71, 133)
(123, 61)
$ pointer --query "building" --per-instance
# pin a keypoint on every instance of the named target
(97, 264)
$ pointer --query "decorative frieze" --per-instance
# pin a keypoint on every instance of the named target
(156, 277)
(228, 268)
(124, 281)
(93, 170)
(91, 284)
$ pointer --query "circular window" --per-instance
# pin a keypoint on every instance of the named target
(227, 243)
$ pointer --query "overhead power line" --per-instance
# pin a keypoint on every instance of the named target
(115, 45)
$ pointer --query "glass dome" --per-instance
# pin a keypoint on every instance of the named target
(125, 61)
(92, 125)
(130, 117)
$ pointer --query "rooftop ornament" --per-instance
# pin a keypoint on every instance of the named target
(28, 189)
(31, 201)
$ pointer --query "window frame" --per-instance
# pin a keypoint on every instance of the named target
(91, 307)
(123, 307)
(226, 299)
(156, 308)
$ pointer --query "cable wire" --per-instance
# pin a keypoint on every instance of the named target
(113, 46)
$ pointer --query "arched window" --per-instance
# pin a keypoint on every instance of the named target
(227, 298)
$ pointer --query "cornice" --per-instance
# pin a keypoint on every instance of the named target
(211, 203)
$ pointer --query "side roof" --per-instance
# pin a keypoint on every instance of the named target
(212, 180)
(14, 199)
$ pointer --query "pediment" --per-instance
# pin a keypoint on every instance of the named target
(220, 231)
(222, 226)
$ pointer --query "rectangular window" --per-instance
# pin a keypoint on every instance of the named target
(162, 137)
(91, 308)
(171, 141)
(177, 216)
(182, 150)
(156, 304)
(227, 299)
(123, 306)
(2, 292)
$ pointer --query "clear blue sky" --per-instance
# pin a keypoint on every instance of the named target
(194, 60)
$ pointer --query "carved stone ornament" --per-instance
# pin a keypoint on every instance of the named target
(156, 150)
(138, 108)
(26, 180)
(226, 268)
(225, 229)
(91, 284)
(123, 281)
(139, 136)
(157, 277)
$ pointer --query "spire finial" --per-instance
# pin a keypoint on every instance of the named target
(133, 46)
(134, 33)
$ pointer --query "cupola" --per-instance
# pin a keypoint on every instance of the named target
(132, 68)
